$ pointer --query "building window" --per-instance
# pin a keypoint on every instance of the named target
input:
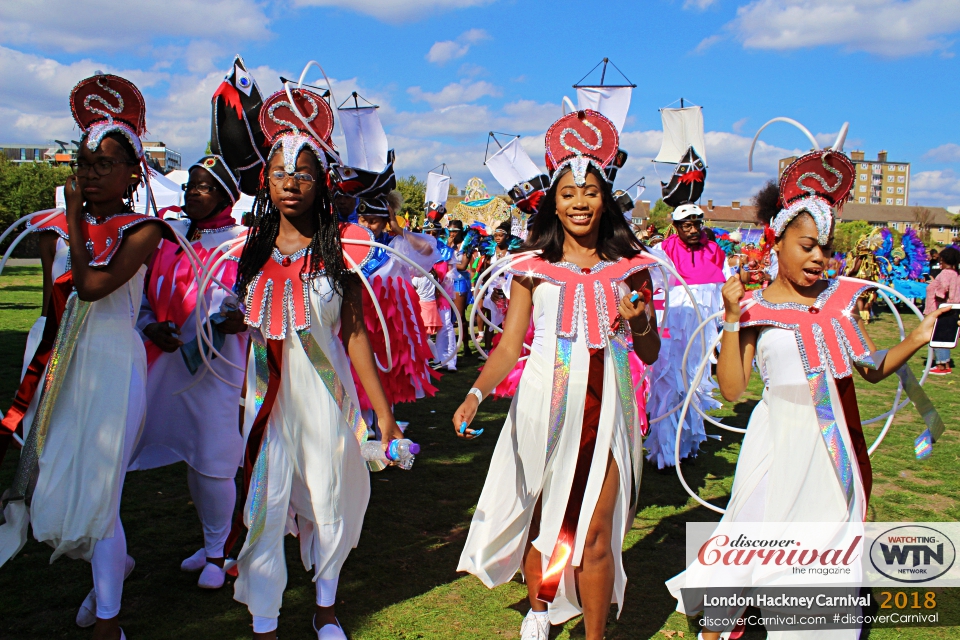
(900, 201)
(900, 190)
(863, 188)
(876, 168)
(889, 200)
(906, 225)
(901, 168)
(889, 178)
(23, 154)
(863, 176)
(895, 225)
(901, 179)
(37, 155)
(863, 165)
(940, 229)
(889, 189)
(862, 199)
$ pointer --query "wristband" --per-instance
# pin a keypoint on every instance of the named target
(477, 394)
(732, 327)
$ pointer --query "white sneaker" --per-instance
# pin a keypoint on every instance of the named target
(535, 627)
(196, 562)
(330, 632)
(87, 615)
(211, 577)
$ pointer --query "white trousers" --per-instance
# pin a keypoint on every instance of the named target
(447, 339)
(110, 554)
(215, 499)
(263, 567)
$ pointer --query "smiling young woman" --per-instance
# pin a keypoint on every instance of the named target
(565, 473)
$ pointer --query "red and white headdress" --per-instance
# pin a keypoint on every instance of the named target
(291, 127)
(579, 139)
(105, 103)
(814, 183)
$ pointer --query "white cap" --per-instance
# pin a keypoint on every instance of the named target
(685, 211)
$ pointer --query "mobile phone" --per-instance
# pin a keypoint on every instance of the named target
(946, 330)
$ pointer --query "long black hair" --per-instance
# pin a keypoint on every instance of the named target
(616, 240)
(326, 252)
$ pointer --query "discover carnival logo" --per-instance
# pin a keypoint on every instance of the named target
(912, 553)
(742, 550)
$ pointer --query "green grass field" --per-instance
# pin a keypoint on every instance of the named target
(401, 580)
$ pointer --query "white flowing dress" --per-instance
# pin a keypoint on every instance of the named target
(310, 466)
(80, 465)
(784, 472)
(519, 476)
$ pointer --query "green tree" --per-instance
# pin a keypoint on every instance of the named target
(660, 215)
(414, 191)
(846, 235)
(24, 188)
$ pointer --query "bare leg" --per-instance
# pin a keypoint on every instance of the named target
(460, 300)
(533, 564)
(107, 629)
(596, 571)
(269, 635)
(324, 616)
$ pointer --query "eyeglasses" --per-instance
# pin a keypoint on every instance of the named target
(102, 167)
(690, 224)
(201, 188)
(304, 180)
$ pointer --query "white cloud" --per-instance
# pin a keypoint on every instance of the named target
(739, 124)
(395, 10)
(707, 42)
(936, 188)
(883, 27)
(446, 50)
(697, 4)
(64, 25)
(455, 93)
(949, 152)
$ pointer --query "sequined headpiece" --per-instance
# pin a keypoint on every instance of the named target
(579, 139)
(814, 184)
(285, 130)
(217, 167)
(106, 103)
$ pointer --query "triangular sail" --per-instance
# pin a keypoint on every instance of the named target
(682, 129)
(365, 138)
(613, 102)
(511, 165)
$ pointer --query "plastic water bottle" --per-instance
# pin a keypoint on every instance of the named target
(400, 452)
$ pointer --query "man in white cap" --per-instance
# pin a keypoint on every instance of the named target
(701, 263)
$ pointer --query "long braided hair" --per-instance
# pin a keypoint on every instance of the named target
(326, 252)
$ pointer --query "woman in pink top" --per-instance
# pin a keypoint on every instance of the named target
(945, 288)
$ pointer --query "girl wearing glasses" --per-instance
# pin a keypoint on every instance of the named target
(78, 442)
(703, 266)
(302, 419)
(193, 415)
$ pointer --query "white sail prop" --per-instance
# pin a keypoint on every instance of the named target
(365, 138)
(682, 129)
(612, 102)
(438, 188)
(511, 165)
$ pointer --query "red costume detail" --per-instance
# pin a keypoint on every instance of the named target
(58, 225)
(103, 238)
(563, 144)
(691, 176)
(231, 97)
(92, 99)
(811, 174)
(277, 118)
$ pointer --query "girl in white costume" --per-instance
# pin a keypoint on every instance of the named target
(803, 458)
(79, 441)
(302, 420)
(564, 477)
(192, 415)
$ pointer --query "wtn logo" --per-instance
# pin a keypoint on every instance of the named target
(912, 553)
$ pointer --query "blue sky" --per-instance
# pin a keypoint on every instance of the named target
(447, 71)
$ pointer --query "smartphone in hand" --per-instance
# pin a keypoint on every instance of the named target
(946, 331)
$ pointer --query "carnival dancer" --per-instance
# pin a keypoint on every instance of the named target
(564, 477)
(302, 420)
(803, 458)
(702, 264)
(91, 360)
(192, 415)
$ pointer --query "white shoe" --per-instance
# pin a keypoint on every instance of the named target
(330, 631)
(87, 615)
(535, 627)
(196, 562)
(211, 577)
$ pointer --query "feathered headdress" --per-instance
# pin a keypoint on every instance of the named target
(915, 253)
(106, 103)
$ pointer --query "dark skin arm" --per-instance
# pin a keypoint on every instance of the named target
(646, 338)
(138, 244)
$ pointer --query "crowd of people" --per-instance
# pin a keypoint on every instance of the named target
(277, 349)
